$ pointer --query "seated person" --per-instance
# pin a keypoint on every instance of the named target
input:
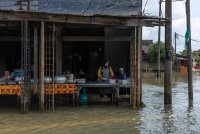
(122, 75)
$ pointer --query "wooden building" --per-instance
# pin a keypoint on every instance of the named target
(30, 30)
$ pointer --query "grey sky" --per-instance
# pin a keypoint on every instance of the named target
(179, 22)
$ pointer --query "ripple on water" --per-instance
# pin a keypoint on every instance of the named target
(154, 118)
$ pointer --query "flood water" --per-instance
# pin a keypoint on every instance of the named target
(180, 118)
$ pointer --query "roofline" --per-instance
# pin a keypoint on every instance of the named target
(126, 20)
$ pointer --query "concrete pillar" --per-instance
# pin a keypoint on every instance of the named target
(58, 50)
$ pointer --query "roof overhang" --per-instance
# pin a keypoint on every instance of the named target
(128, 21)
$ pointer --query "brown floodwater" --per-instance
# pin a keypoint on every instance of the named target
(181, 117)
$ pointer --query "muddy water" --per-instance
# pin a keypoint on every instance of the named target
(180, 118)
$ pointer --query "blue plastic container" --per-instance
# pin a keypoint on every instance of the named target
(18, 73)
(83, 97)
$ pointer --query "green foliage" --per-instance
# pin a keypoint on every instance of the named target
(197, 57)
(184, 52)
(153, 52)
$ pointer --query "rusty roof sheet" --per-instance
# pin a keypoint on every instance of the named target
(79, 7)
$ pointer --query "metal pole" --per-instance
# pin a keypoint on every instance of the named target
(159, 31)
(190, 84)
(168, 53)
(42, 67)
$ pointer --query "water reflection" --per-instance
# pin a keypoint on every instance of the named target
(182, 117)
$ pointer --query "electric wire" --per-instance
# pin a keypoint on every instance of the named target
(191, 39)
(145, 6)
(87, 7)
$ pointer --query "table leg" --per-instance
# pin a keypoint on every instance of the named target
(117, 94)
(77, 96)
(73, 100)
(18, 101)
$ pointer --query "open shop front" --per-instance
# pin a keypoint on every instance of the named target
(53, 47)
(78, 51)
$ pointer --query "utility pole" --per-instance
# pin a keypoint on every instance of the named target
(168, 53)
(189, 52)
(175, 37)
(159, 31)
(28, 5)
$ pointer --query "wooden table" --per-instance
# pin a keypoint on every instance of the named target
(10, 90)
(62, 89)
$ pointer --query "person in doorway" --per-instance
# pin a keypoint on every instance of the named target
(105, 71)
(81, 74)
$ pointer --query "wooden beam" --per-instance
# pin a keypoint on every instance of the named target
(73, 38)
(74, 19)
(95, 38)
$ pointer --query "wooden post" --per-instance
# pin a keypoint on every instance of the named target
(42, 66)
(58, 50)
(26, 66)
(132, 70)
(136, 68)
(139, 68)
(35, 68)
(22, 62)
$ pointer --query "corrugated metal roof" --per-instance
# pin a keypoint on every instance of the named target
(80, 7)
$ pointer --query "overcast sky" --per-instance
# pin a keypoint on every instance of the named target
(179, 22)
